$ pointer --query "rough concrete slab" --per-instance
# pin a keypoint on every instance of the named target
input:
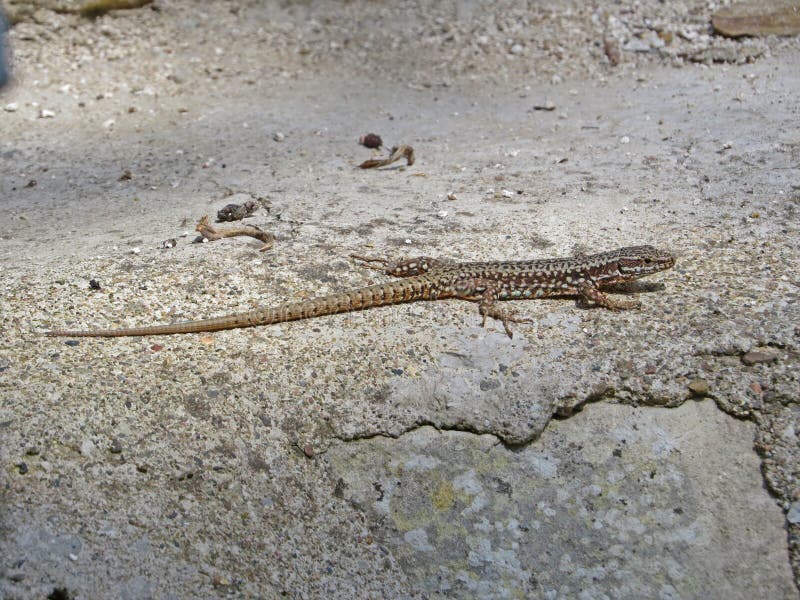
(197, 464)
(615, 502)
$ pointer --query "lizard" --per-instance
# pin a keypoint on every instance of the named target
(425, 278)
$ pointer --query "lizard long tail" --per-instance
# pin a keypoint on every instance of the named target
(395, 292)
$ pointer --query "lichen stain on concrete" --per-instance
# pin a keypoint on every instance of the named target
(443, 497)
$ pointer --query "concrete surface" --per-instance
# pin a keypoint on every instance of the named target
(615, 502)
(403, 451)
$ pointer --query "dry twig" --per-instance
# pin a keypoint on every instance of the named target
(397, 153)
(208, 231)
(98, 8)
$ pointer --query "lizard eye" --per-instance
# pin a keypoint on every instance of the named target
(648, 260)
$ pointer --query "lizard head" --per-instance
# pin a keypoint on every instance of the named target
(638, 261)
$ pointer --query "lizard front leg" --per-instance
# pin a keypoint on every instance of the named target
(591, 293)
(405, 267)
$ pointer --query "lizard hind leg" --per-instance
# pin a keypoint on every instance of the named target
(488, 307)
(405, 267)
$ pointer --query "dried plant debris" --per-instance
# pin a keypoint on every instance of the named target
(237, 212)
(398, 152)
(776, 17)
(98, 8)
(371, 140)
(91, 9)
(211, 233)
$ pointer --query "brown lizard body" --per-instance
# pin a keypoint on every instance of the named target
(431, 279)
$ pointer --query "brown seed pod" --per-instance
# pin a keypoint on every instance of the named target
(371, 140)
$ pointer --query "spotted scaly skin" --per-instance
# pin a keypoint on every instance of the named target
(426, 278)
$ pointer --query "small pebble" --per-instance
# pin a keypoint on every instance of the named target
(308, 450)
(699, 387)
(278, 136)
(793, 516)
(624, 140)
(136, 250)
(755, 357)
(108, 124)
(549, 105)
(11, 107)
(46, 114)
(611, 49)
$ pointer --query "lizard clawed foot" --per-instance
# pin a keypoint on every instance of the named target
(590, 294)
(609, 304)
(371, 259)
(504, 316)
(618, 304)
